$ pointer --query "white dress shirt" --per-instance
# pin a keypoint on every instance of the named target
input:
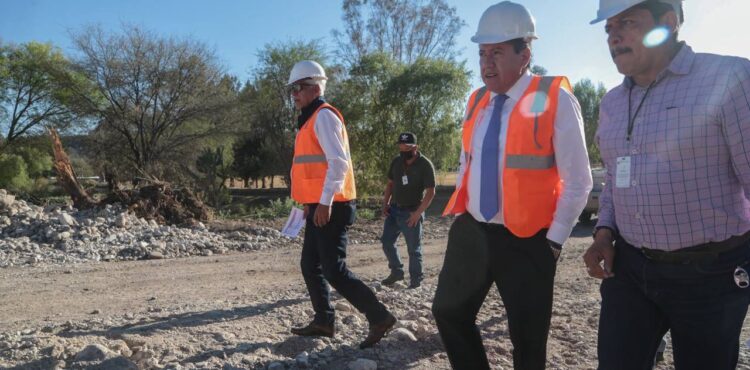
(329, 130)
(571, 159)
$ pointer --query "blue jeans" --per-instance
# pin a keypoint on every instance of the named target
(698, 302)
(395, 224)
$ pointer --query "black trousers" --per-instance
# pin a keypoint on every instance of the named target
(324, 260)
(523, 269)
(698, 301)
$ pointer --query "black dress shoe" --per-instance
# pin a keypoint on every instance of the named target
(393, 278)
(415, 284)
(378, 331)
(315, 330)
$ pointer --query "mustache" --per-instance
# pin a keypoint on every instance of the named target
(620, 50)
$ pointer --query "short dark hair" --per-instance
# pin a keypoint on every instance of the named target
(519, 44)
(658, 9)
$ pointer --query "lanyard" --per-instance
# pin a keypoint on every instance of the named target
(631, 120)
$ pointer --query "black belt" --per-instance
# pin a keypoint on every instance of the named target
(699, 253)
(411, 208)
(353, 201)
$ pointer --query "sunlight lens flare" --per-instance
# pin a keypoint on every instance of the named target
(656, 37)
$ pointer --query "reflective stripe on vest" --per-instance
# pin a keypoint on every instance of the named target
(315, 158)
(531, 184)
(309, 165)
(530, 162)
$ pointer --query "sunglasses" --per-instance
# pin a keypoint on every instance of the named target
(298, 87)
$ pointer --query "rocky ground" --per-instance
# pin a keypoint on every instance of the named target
(230, 302)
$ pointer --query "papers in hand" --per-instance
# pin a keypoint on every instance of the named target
(294, 223)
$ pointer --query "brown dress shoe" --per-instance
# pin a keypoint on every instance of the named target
(378, 331)
(315, 330)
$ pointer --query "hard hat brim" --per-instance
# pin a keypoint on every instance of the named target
(488, 39)
(314, 78)
(605, 14)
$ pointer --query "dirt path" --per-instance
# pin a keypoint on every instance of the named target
(234, 312)
(33, 297)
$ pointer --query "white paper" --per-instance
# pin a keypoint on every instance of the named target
(404, 180)
(294, 223)
(622, 179)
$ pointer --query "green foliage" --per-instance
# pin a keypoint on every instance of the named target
(383, 97)
(367, 214)
(38, 163)
(249, 158)
(589, 97)
(36, 89)
(269, 110)
(13, 173)
(538, 70)
(275, 209)
(214, 166)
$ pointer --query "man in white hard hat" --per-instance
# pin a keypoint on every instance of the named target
(523, 181)
(672, 243)
(323, 180)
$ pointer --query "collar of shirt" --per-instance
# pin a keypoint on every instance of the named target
(680, 65)
(516, 91)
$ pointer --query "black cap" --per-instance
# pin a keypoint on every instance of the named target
(407, 138)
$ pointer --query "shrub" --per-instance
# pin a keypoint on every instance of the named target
(367, 214)
(13, 173)
(38, 163)
(276, 208)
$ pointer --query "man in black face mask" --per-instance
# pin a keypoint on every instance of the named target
(410, 189)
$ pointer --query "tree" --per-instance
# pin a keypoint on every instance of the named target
(538, 70)
(589, 97)
(269, 108)
(405, 29)
(249, 158)
(36, 84)
(156, 98)
(383, 97)
(214, 165)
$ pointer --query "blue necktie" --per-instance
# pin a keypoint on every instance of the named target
(489, 191)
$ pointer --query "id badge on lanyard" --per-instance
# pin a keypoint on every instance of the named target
(622, 178)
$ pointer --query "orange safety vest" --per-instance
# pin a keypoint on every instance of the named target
(309, 165)
(531, 184)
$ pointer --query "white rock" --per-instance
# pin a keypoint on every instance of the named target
(403, 334)
(93, 352)
(352, 320)
(343, 307)
(66, 219)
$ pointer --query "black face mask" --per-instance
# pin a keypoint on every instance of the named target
(407, 155)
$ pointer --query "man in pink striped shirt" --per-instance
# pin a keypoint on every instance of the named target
(672, 243)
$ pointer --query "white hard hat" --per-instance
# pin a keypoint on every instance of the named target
(611, 8)
(504, 21)
(307, 69)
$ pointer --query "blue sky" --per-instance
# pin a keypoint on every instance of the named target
(238, 29)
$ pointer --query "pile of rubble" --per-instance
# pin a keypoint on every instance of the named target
(32, 235)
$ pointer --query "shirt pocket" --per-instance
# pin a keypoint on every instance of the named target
(685, 135)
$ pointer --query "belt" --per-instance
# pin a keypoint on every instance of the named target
(353, 201)
(411, 208)
(699, 253)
